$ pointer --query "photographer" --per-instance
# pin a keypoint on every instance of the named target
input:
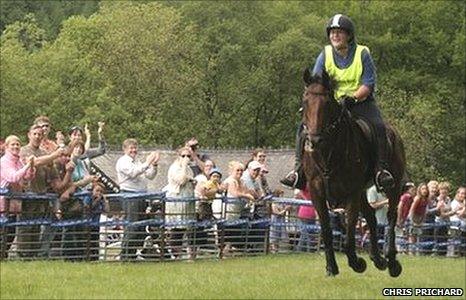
(197, 161)
(180, 186)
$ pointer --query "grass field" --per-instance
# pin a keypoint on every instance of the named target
(271, 277)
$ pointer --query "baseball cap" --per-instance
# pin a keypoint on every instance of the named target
(254, 165)
(215, 170)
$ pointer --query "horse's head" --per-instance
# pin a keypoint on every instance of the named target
(321, 111)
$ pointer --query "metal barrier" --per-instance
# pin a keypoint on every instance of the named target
(152, 227)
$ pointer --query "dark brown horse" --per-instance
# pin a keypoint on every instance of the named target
(338, 163)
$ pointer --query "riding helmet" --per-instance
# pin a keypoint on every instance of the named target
(343, 22)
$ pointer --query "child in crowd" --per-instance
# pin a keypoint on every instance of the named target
(209, 191)
(95, 205)
(278, 232)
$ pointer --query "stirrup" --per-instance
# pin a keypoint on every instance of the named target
(384, 181)
(290, 180)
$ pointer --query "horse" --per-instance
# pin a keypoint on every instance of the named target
(338, 167)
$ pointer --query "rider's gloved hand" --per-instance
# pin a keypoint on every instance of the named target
(348, 102)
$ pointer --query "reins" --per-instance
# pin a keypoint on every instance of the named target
(329, 135)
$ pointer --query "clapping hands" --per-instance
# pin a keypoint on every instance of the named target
(153, 158)
(101, 127)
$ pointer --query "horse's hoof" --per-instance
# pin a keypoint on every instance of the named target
(379, 262)
(394, 268)
(332, 272)
(359, 265)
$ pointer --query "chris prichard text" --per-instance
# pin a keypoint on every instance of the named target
(423, 292)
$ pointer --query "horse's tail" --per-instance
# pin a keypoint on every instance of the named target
(399, 155)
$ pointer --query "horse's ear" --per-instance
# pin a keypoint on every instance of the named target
(307, 76)
(329, 82)
(326, 80)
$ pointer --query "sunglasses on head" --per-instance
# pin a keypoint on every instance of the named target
(45, 125)
(185, 155)
(75, 128)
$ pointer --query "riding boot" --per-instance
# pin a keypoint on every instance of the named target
(384, 180)
(296, 178)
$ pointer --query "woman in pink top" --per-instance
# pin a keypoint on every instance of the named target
(12, 176)
(13, 172)
(307, 217)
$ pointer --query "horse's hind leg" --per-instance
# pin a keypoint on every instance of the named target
(369, 214)
(358, 264)
(394, 266)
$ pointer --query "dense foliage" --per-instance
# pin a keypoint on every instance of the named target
(229, 72)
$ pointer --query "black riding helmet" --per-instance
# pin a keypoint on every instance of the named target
(342, 22)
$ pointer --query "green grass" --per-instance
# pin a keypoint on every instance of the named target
(274, 276)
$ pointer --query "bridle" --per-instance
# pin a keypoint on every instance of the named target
(327, 136)
(330, 130)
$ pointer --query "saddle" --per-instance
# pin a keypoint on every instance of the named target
(369, 135)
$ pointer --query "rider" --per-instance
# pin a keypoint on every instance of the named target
(352, 67)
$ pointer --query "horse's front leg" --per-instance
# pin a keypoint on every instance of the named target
(358, 264)
(394, 266)
(369, 215)
(326, 233)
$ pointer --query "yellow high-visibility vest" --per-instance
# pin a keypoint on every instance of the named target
(348, 79)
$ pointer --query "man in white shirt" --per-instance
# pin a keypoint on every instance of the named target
(379, 202)
(132, 177)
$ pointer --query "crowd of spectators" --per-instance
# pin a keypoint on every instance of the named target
(63, 166)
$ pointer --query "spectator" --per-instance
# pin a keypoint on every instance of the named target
(417, 213)
(76, 135)
(13, 175)
(432, 209)
(307, 218)
(429, 232)
(210, 189)
(61, 170)
(458, 207)
(132, 178)
(406, 200)
(251, 180)
(278, 230)
(443, 217)
(94, 206)
(201, 178)
(458, 219)
(257, 208)
(47, 144)
(235, 207)
(197, 160)
(444, 202)
(258, 155)
(264, 184)
(71, 208)
(379, 203)
(2, 147)
(180, 186)
(80, 177)
(30, 242)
